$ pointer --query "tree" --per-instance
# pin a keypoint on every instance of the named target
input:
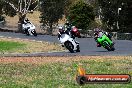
(1, 12)
(51, 12)
(18, 7)
(116, 14)
(68, 4)
(81, 14)
(126, 17)
(1, 6)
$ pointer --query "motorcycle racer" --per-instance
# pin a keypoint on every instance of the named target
(62, 31)
(99, 34)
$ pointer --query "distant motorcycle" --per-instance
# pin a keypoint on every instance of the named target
(69, 43)
(106, 43)
(29, 28)
(75, 32)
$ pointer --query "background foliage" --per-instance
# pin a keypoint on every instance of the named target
(81, 14)
(111, 14)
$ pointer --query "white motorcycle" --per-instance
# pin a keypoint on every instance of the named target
(29, 29)
(69, 43)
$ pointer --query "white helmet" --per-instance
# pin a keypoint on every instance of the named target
(73, 26)
(60, 27)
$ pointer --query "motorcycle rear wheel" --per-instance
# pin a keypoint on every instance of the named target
(27, 33)
(107, 46)
(34, 33)
(112, 48)
(78, 48)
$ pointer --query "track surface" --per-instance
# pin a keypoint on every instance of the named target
(87, 45)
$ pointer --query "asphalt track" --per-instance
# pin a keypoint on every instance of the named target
(87, 46)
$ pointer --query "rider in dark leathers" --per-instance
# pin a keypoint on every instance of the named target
(61, 31)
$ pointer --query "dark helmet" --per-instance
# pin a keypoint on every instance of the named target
(61, 29)
(97, 30)
(67, 23)
(26, 20)
(95, 33)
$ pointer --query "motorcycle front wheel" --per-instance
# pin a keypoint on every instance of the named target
(69, 46)
(27, 33)
(106, 46)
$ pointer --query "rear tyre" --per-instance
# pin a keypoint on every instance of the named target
(112, 48)
(107, 46)
(34, 33)
(78, 48)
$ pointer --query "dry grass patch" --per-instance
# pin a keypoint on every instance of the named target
(50, 59)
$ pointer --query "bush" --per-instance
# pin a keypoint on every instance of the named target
(81, 14)
(2, 18)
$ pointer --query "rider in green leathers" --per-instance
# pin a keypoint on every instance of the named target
(100, 36)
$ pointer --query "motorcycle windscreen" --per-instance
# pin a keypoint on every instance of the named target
(30, 25)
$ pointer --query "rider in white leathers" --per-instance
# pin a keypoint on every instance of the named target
(62, 31)
(25, 21)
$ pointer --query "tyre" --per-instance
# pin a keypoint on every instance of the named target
(26, 30)
(112, 48)
(34, 33)
(78, 48)
(107, 46)
(69, 46)
(81, 80)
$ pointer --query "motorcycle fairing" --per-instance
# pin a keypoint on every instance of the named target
(103, 38)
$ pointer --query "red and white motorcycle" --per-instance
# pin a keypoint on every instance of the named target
(75, 32)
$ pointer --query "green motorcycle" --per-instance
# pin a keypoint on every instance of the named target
(106, 43)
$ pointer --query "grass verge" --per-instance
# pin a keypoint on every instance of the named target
(59, 72)
(8, 45)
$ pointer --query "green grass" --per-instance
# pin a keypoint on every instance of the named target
(10, 45)
(60, 75)
(15, 46)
